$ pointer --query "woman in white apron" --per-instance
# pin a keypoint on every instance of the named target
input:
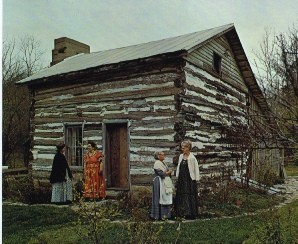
(162, 189)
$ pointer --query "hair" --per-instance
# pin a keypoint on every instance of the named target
(60, 146)
(187, 143)
(92, 143)
(156, 154)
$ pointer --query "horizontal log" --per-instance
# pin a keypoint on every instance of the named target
(220, 85)
(117, 96)
(49, 134)
(151, 132)
(98, 85)
(142, 180)
(116, 72)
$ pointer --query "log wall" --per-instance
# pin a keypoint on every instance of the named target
(164, 102)
(147, 100)
(209, 105)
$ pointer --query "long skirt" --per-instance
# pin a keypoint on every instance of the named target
(62, 192)
(186, 200)
(158, 211)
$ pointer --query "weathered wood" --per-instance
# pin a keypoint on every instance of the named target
(162, 100)
(141, 180)
(216, 84)
(120, 96)
(97, 85)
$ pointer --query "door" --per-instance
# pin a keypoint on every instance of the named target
(116, 155)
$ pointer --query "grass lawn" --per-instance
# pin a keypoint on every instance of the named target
(277, 226)
(47, 224)
(22, 223)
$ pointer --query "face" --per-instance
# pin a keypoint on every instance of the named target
(161, 156)
(184, 148)
(90, 148)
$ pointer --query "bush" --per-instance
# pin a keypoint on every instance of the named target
(220, 199)
(23, 190)
(144, 232)
(94, 219)
(267, 176)
(79, 189)
(277, 226)
(136, 203)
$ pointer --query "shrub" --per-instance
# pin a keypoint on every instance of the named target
(219, 198)
(23, 190)
(277, 226)
(79, 189)
(144, 232)
(94, 219)
(136, 203)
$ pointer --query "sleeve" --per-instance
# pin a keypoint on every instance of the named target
(177, 168)
(52, 171)
(56, 173)
(68, 169)
(160, 173)
(196, 169)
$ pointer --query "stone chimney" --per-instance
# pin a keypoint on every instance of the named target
(66, 47)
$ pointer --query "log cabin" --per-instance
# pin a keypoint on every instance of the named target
(135, 100)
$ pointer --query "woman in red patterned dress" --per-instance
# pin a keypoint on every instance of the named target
(94, 185)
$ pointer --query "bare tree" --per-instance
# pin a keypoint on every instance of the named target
(287, 67)
(21, 58)
(277, 71)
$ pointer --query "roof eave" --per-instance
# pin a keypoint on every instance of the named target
(211, 38)
(105, 67)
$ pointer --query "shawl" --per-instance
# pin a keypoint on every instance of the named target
(59, 167)
(193, 167)
(166, 185)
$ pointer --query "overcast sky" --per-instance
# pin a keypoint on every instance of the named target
(106, 24)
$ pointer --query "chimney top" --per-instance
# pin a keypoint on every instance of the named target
(65, 47)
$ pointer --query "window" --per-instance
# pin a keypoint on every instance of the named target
(74, 151)
(217, 63)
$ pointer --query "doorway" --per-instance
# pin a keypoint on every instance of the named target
(116, 156)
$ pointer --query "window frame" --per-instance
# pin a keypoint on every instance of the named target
(217, 63)
(66, 137)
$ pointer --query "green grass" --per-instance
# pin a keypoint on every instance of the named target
(21, 223)
(278, 226)
(46, 224)
(250, 201)
(226, 230)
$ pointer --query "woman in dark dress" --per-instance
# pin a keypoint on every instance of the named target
(188, 174)
(61, 178)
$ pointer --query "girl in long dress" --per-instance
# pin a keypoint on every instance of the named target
(94, 185)
(162, 189)
(61, 178)
(188, 174)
